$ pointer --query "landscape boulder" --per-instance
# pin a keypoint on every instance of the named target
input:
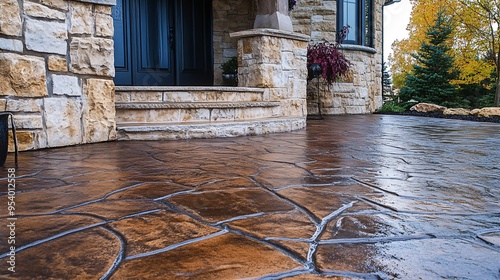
(489, 112)
(428, 108)
(457, 111)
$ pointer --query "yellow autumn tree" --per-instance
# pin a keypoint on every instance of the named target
(479, 27)
(471, 41)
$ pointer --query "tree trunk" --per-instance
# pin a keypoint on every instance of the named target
(497, 92)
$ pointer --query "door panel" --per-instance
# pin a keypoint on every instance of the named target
(153, 53)
(194, 42)
(121, 38)
(163, 42)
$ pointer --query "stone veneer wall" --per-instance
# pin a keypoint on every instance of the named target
(359, 93)
(229, 16)
(56, 71)
(275, 60)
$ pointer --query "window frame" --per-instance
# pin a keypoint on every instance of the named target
(365, 30)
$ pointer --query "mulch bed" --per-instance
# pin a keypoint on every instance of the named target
(443, 116)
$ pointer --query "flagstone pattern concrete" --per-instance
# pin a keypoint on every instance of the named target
(350, 197)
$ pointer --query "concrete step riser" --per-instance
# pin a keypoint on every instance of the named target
(190, 115)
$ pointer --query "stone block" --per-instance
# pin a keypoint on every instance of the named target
(58, 4)
(41, 11)
(103, 9)
(24, 105)
(10, 21)
(81, 18)
(66, 85)
(92, 56)
(58, 63)
(22, 76)
(11, 45)
(99, 111)
(25, 141)
(46, 36)
(146, 96)
(63, 121)
(3, 104)
(104, 25)
(28, 121)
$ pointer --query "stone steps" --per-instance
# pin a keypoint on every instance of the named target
(153, 112)
(194, 130)
(167, 113)
(189, 94)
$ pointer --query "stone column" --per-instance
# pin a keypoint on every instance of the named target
(275, 60)
(273, 14)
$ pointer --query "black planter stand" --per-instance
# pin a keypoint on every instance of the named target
(4, 136)
(314, 71)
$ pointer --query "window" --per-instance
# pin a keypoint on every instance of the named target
(358, 14)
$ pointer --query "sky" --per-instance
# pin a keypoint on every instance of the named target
(396, 19)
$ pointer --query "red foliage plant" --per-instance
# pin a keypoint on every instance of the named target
(333, 63)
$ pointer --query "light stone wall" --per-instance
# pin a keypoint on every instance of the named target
(359, 93)
(275, 60)
(229, 16)
(56, 71)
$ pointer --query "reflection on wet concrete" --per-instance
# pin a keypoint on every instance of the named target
(350, 197)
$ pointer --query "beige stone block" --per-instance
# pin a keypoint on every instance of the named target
(146, 96)
(3, 104)
(10, 21)
(25, 141)
(102, 9)
(63, 121)
(81, 18)
(41, 11)
(24, 105)
(104, 25)
(58, 63)
(22, 76)
(99, 111)
(59, 4)
(92, 56)
(28, 121)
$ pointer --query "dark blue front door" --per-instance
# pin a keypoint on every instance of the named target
(163, 42)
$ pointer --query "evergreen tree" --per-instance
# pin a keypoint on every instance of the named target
(386, 81)
(430, 79)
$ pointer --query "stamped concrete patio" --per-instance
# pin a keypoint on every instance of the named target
(363, 197)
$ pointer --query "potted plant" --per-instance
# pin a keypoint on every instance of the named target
(325, 60)
(230, 72)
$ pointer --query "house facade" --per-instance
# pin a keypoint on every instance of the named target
(86, 71)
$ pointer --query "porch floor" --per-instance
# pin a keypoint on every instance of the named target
(349, 197)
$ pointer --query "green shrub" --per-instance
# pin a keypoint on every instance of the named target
(391, 107)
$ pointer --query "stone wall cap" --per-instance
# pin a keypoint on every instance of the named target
(187, 88)
(101, 2)
(270, 32)
(348, 47)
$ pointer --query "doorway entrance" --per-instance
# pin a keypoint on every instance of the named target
(163, 42)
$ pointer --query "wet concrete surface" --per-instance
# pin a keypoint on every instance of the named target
(350, 197)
